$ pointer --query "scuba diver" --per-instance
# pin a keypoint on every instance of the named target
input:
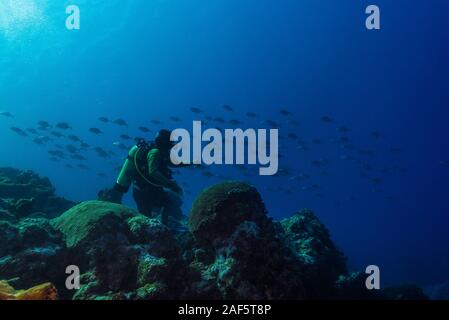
(147, 168)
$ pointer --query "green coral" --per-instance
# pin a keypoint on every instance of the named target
(150, 269)
(219, 209)
(91, 220)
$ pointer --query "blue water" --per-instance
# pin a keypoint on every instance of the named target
(142, 60)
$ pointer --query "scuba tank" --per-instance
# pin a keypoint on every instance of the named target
(140, 161)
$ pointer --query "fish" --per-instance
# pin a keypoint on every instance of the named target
(293, 136)
(346, 157)
(302, 147)
(6, 114)
(207, 174)
(82, 166)
(101, 152)
(175, 119)
(32, 131)
(41, 140)
(43, 124)
(54, 159)
(318, 163)
(101, 174)
(120, 145)
(63, 126)
(144, 129)
(19, 131)
(56, 134)
(95, 131)
(73, 138)
(444, 162)
(111, 153)
(347, 146)
(196, 110)
(271, 123)
(71, 148)
(344, 139)
(56, 153)
(120, 122)
(251, 114)
(327, 119)
(38, 141)
(156, 122)
(78, 157)
(293, 123)
(125, 137)
(85, 145)
(234, 122)
(343, 129)
(103, 119)
(69, 166)
(376, 134)
(316, 141)
(300, 177)
(228, 107)
(219, 120)
(285, 112)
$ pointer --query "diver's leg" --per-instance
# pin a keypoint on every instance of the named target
(172, 206)
(143, 202)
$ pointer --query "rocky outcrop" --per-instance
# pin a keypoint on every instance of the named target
(24, 194)
(45, 291)
(124, 255)
(232, 250)
(236, 249)
(321, 262)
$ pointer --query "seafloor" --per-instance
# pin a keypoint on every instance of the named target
(231, 249)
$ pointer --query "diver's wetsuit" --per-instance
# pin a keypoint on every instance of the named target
(149, 180)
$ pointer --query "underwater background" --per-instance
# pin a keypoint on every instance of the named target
(365, 139)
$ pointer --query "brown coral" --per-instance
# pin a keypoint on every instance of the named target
(46, 291)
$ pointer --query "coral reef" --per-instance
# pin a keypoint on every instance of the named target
(25, 194)
(46, 291)
(231, 250)
(439, 291)
(125, 255)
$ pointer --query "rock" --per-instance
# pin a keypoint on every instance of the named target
(46, 291)
(237, 251)
(9, 238)
(232, 249)
(438, 291)
(352, 286)
(32, 251)
(322, 263)
(124, 254)
(93, 221)
(5, 215)
(24, 193)
(219, 209)
(403, 292)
